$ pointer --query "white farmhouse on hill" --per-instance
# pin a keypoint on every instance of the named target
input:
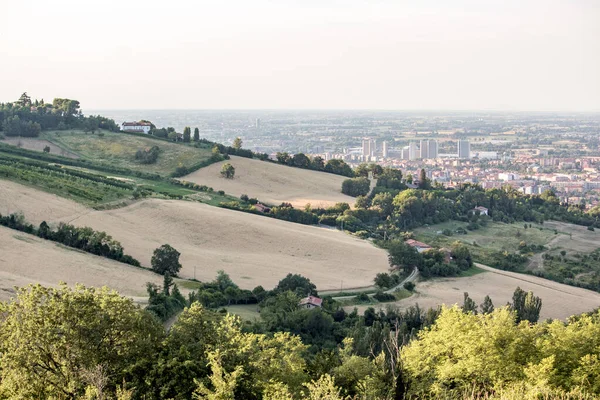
(139, 127)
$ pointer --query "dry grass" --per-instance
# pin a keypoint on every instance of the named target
(559, 301)
(273, 183)
(26, 259)
(37, 144)
(254, 250)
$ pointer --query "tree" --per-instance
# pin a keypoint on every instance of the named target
(24, 100)
(298, 284)
(196, 134)
(53, 340)
(224, 383)
(423, 181)
(469, 306)
(46, 149)
(187, 132)
(403, 256)
(283, 158)
(317, 163)
(227, 171)
(487, 307)
(237, 143)
(362, 202)
(338, 167)
(300, 160)
(166, 259)
(526, 306)
(356, 187)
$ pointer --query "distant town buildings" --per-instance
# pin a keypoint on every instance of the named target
(464, 149)
(139, 127)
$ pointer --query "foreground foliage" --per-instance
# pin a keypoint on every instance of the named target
(91, 343)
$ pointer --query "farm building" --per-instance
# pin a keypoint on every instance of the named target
(420, 246)
(139, 127)
(311, 302)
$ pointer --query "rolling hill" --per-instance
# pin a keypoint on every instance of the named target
(119, 150)
(274, 183)
(26, 259)
(254, 250)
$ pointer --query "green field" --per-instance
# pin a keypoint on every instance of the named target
(579, 265)
(96, 183)
(247, 312)
(119, 150)
(493, 237)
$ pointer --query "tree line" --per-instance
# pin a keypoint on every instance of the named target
(26, 117)
(85, 238)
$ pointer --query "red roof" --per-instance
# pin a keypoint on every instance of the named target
(315, 301)
(416, 243)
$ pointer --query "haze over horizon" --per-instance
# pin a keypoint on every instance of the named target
(310, 55)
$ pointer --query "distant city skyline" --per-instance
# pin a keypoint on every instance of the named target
(465, 55)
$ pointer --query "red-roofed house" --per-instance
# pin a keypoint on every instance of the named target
(311, 302)
(420, 246)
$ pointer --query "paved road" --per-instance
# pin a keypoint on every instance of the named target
(413, 275)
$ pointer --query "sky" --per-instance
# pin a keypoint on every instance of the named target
(526, 55)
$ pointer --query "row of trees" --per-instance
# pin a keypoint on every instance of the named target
(301, 160)
(85, 238)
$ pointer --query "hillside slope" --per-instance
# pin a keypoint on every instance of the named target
(119, 149)
(254, 250)
(26, 259)
(558, 300)
(274, 183)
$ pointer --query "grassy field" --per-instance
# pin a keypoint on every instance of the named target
(119, 150)
(579, 266)
(247, 312)
(494, 237)
(94, 184)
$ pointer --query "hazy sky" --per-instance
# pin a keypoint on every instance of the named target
(347, 54)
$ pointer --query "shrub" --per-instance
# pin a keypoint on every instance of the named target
(362, 297)
(383, 297)
(356, 187)
(409, 286)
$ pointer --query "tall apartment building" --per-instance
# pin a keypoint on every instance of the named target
(433, 149)
(413, 153)
(424, 146)
(429, 149)
(384, 149)
(464, 149)
(369, 148)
